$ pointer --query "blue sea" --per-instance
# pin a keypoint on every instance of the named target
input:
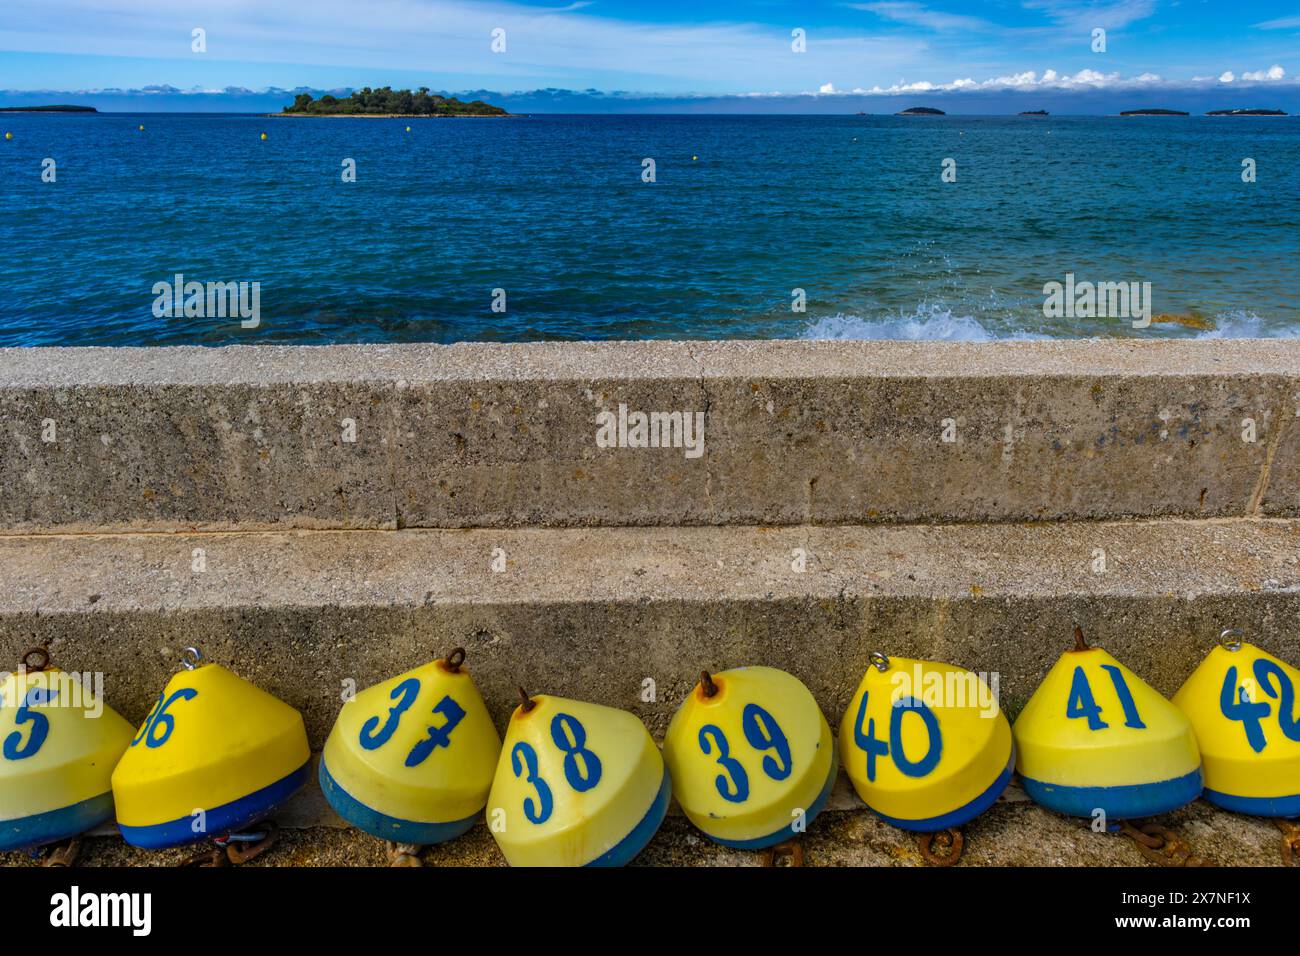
(554, 211)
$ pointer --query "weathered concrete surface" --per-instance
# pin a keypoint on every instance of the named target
(476, 435)
(592, 613)
(1011, 833)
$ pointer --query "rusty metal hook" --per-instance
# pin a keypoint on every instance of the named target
(790, 848)
(455, 659)
(42, 653)
(706, 683)
(955, 841)
(526, 702)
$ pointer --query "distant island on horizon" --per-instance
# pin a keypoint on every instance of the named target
(386, 101)
(921, 111)
(48, 109)
(1253, 112)
(1154, 112)
(1034, 113)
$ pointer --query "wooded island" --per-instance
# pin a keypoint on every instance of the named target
(386, 101)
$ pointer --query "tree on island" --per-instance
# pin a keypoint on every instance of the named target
(386, 100)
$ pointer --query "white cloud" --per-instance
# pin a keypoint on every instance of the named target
(1282, 23)
(1226, 77)
(1082, 16)
(916, 15)
(826, 88)
(1274, 72)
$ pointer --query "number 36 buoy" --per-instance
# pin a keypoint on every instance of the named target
(215, 754)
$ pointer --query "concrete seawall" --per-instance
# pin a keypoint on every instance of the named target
(383, 437)
(322, 517)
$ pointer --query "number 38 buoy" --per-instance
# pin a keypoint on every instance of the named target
(1095, 737)
(411, 759)
(751, 757)
(215, 754)
(58, 746)
(1242, 703)
(578, 784)
(925, 744)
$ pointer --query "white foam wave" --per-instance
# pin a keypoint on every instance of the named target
(942, 325)
(926, 325)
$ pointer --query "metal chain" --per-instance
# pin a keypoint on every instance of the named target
(1162, 845)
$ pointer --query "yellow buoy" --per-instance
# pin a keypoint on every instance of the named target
(578, 784)
(215, 754)
(9, 135)
(263, 136)
(1242, 704)
(58, 746)
(1095, 736)
(141, 126)
(412, 759)
(925, 744)
(751, 757)
(408, 129)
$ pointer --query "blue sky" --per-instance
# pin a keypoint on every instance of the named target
(676, 53)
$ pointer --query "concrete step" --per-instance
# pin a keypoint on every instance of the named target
(475, 435)
(629, 616)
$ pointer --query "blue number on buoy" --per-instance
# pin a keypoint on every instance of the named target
(148, 721)
(438, 736)
(1285, 694)
(917, 768)
(868, 742)
(544, 798)
(571, 738)
(40, 724)
(738, 791)
(874, 747)
(407, 690)
(1240, 707)
(1083, 704)
(166, 720)
(763, 733)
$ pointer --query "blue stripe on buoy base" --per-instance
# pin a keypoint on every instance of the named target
(55, 825)
(1120, 803)
(787, 833)
(622, 852)
(219, 820)
(964, 814)
(382, 825)
(1255, 806)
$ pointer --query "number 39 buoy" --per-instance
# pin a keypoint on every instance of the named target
(578, 784)
(215, 754)
(1242, 703)
(1094, 736)
(411, 759)
(58, 745)
(925, 744)
(751, 757)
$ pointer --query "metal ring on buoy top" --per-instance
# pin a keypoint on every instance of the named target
(192, 659)
(879, 661)
(42, 653)
(1233, 646)
(455, 659)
